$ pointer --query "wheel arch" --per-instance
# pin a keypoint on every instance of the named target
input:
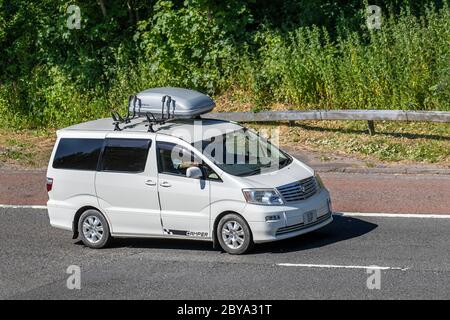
(77, 216)
(216, 223)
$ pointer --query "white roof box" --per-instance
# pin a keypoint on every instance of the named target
(179, 102)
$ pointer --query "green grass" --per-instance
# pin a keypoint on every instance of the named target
(394, 142)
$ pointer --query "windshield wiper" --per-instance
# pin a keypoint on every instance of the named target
(254, 171)
(249, 173)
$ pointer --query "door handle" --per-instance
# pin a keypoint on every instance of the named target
(150, 183)
(165, 184)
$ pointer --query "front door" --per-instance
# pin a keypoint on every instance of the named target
(185, 202)
(126, 185)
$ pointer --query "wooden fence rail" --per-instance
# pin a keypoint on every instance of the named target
(369, 115)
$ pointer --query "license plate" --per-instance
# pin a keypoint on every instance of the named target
(309, 217)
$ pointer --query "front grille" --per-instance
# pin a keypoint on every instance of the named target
(299, 190)
(300, 226)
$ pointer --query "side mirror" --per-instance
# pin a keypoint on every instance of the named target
(194, 172)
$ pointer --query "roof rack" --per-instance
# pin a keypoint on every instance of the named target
(167, 104)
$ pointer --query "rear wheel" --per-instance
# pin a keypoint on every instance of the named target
(234, 234)
(94, 229)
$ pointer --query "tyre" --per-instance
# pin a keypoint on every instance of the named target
(234, 234)
(94, 229)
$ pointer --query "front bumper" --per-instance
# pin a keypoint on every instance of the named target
(291, 223)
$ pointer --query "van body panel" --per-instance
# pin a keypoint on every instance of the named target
(128, 204)
(185, 202)
(275, 178)
(62, 212)
(72, 190)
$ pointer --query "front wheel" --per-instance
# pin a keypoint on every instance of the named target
(234, 234)
(94, 229)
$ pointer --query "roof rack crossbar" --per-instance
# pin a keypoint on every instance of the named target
(135, 102)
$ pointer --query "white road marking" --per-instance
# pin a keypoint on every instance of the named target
(392, 215)
(12, 206)
(333, 266)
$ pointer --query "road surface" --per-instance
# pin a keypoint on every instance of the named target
(412, 255)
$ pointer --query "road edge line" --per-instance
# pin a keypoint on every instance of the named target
(17, 206)
(392, 215)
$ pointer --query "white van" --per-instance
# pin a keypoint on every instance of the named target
(166, 179)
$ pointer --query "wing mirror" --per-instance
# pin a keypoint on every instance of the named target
(194, 172)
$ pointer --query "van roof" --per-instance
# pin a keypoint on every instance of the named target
(186, 129)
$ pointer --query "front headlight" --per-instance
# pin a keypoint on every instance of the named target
(262, 196)
(320, 184)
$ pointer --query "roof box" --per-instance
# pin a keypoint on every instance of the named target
(175, 102)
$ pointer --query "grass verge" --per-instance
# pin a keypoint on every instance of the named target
(394, 142)
(26, 149)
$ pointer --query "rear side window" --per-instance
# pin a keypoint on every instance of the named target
(125, 155)
(77, 154)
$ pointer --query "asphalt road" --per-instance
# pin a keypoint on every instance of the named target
(34, 258)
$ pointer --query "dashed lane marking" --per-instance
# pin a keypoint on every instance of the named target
(334, 266)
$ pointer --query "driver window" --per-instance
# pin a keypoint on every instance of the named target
(174, 159)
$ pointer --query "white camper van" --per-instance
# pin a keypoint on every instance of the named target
(164, 171)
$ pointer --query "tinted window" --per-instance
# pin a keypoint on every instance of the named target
(125, 155)
(79, 154)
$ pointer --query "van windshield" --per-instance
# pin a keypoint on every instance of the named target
(243, 153)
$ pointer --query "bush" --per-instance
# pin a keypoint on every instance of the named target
(305, 55)
(405, 65)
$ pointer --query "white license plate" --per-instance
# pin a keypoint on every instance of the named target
(309, 217)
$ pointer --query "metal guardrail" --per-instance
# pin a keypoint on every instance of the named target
(391, 115)
(369, 115)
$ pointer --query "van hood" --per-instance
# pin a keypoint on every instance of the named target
(291, 173)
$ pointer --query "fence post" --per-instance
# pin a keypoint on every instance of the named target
(371, 126)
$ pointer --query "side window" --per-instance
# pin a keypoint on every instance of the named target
(174, 159)
(125, 155)
(77, 154)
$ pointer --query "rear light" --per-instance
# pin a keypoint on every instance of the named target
(49, 184)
